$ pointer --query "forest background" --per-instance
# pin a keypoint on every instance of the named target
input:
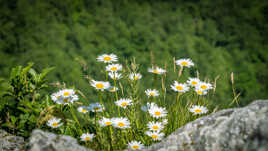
(221, 37)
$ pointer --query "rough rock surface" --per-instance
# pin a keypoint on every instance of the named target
(46, 141)
(9, 142)
(239, 129)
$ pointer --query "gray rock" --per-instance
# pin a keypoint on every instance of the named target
(238, 129)
(9, 142)
(46, 141)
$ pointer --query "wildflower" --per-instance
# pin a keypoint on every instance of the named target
(198, 109)
(135, 76)
(114, 67)
(156, 70)
(157, 112)
(105, 122)
(155, 135)
(123, 103)
(200, 91)
(67, 93)
(152, 93)
(146, 107)
(54, 122)
(165, 121)
(193, 81)
(56, 97)
(87, 137)
(115, 75)
(107, 58)
(96, 107)
(112, 89)
(121, 122)
(82, 109)
(155, 126)
(100, 85)
(179, 87)
(69, 100)
(135, 145)
(204, 86)
(185, 62)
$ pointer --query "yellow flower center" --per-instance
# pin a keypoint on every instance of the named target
(84, 110)
(194, 83)
(199, 92)
(107, 58)
(96, 108)
(114, 68)
(154, 136)
(156, 71)
(135, 147)
(203, 87)
(121, 124)
(157, 113)
(155, 127)
(184, 63)
(65, 100)
(197, 110)
(136, 77)
(55, 124)
(66, 93)
(57, 97)
(100, 85)
(108, 123)
(87, 138)
(124, 104)
(179, 87)
(151, 94)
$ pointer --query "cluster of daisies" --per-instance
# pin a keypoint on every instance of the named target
(159, 114)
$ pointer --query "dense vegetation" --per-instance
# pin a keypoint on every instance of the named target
(220, 36)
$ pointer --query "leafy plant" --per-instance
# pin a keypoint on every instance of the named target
(21, 99)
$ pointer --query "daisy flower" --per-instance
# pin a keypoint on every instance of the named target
(107, 58)
(100, 85)
(200, 91)
(123, 103)
(185, 62)
(155, 135)
(87, 137)
(105, 122)
(67, 93)
(146, 107)
(54, 122)
(155, 126)
(96, 107)
(204, 86)
(115, 75)
(156, 70)
(135, 76)
(114, 67)
(121, 122)
(193, 81)
(152, 92)
(157, 112)
(135, 145)
(56, 97)
(112, 89)
(196, 109)
(165, 121)
(82, 109)
(69, 100)
(179, 87)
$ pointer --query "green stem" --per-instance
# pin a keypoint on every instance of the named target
(75, 118)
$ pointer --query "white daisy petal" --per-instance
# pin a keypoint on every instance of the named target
(107, 58)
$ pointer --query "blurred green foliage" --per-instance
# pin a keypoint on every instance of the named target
(220, 36)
